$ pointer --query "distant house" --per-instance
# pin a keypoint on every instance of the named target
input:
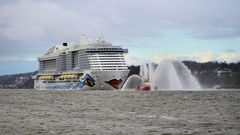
(224, 72)
(10, 86)
(21, 80)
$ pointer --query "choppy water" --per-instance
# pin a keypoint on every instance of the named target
(119, 112)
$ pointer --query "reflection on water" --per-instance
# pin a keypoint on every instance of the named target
(119, 112)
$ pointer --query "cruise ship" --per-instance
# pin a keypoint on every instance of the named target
(83, 66)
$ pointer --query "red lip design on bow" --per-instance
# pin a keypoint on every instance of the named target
(115, 83)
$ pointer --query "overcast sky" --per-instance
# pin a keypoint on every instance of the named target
(203, 30)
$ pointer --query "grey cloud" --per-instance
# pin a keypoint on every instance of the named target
(66, 20)
(27, 20)
(35, 24)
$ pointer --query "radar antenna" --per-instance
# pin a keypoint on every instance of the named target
(101, 39)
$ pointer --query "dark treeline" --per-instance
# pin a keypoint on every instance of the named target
(215, 74)
(23, 80)
(212, 65)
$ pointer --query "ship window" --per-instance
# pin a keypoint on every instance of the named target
(74, 59)
(49, 64)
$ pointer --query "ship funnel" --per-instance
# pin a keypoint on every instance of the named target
(84, 40)
(100, 38)
(64, 44)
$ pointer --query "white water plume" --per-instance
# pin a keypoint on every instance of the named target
(167, 75)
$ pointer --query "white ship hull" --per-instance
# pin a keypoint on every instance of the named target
(84, 66)
(91, 80)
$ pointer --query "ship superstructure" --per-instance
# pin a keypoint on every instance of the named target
(99, 65)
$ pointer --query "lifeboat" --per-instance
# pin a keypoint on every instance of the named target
(46, 77)
(69, 76)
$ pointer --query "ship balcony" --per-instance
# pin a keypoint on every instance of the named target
(96, 50)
